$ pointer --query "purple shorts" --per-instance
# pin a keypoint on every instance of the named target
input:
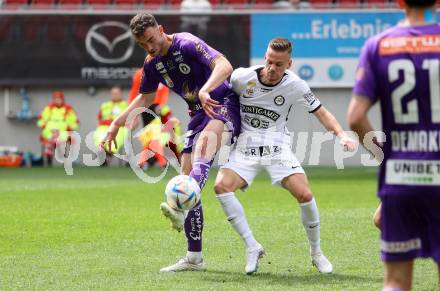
(410, 226)
(229, 113)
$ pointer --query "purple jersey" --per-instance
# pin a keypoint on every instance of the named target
(184, 69)
(401, 68)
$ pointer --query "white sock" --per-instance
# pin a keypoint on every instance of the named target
(194, 257)
(310, 221)
(236, 217)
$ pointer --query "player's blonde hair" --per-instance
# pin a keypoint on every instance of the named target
(280, 44)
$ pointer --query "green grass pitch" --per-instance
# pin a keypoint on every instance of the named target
(102, 229)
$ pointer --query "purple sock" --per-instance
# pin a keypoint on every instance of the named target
(194, 228)
(200, 171)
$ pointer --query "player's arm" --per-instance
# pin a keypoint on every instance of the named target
(331, 124)
(142, 100)
(221, 70)
(357, 115)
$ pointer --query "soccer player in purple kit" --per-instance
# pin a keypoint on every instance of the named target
(198, 73)
(401, 68)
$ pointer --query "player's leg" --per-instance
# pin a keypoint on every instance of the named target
(227, 182)
(212, 137)
(298, 185)
(398, 276)
(376, 216)
(193, 224)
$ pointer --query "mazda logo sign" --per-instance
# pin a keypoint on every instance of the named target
(107, 48)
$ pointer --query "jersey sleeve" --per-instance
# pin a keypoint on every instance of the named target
(149, 82)
(200, 51)
(236, 81)
(365, 84)
(306, 98)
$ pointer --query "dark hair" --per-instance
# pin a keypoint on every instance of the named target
(420, 3)
(281, 45)
(140, 22)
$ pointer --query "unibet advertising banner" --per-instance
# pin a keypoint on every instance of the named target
(326, 46)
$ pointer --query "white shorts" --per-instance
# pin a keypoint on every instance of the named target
(278, 161)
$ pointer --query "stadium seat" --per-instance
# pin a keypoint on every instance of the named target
(99, 3)
(377, 3)
(152, 3)
(348, 3)
(322, 3)
(70, 3)
(15, 3)
(42, 3)
(236, 3)
(263, 3)
(125, 3)
(174, 2)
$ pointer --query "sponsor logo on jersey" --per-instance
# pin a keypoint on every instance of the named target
(179, 59)
(170, 65)
(260, 111)
(279, 100)
(168, 80)
(410, 44)
(310, 98)
(176, 53)
(201, 49)
(160, 66)
(265, 90)
(261, 151)
(184, 69)
(255, 122)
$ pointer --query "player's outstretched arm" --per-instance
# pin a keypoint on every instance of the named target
(142, 100)
(357, 116)
(331, 124)
(221, 70)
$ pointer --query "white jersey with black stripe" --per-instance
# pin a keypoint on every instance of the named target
(264, 109)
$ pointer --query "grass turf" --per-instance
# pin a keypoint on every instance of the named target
(101, 229)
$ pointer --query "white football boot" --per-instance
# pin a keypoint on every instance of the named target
(183, 265)
(252, 258)
(176, 217)
(322, 263)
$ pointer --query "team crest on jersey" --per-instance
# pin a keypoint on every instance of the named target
(184, 69)
(250, 88)
(279, 100)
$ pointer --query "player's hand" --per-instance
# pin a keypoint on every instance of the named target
(110, 138)
(208, 104)
(347, 143)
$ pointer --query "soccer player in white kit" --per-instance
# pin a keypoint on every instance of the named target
(267, 94)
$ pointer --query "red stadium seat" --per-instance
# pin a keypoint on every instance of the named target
(215, 2)
(377, 3)
(126, 3)
(263, 3)
(236, 3)
(349, 3)
(99, 3)
(42, 3)
(70, 3)
(152, 3)
(321, 3)
(15, 3)
(174, 2)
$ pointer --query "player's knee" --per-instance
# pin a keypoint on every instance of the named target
(304, 196)
(223, 187)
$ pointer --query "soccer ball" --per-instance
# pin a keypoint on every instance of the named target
(182, 192)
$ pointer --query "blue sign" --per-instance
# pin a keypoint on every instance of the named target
(320, 35)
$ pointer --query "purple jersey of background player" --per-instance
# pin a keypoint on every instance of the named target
(184, 69)
(400, 67)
